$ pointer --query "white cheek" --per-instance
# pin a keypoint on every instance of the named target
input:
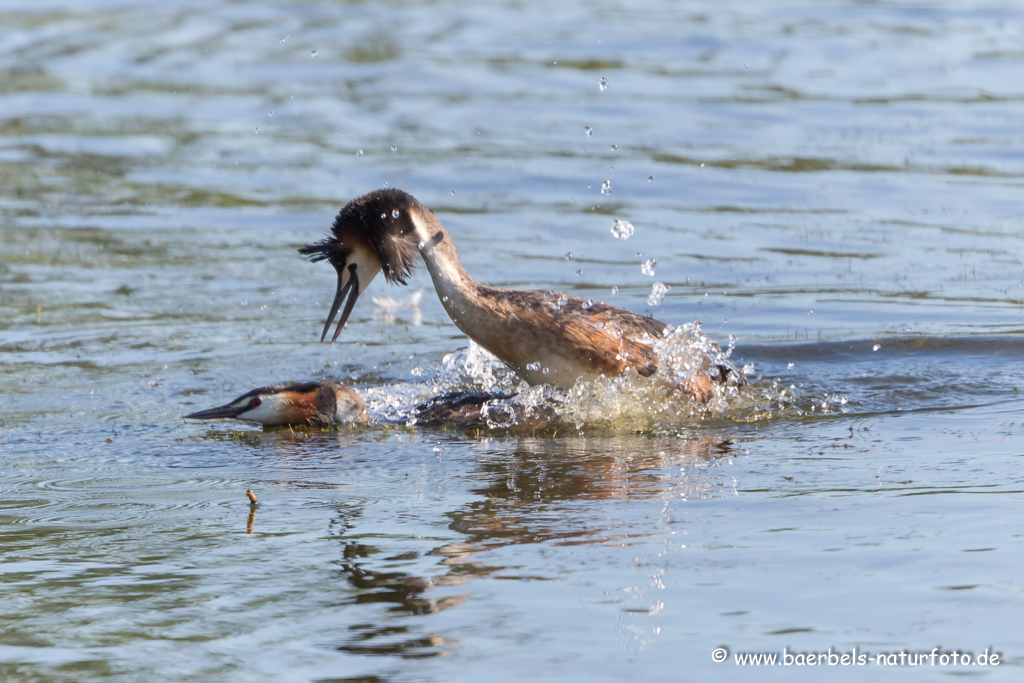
(367, 267)
(268, 412)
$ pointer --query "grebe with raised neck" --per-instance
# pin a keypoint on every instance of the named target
(546, 337)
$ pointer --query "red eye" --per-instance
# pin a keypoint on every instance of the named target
(255, 402)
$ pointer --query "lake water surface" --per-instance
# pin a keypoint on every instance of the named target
(836, 185)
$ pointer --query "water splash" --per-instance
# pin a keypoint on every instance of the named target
(647, 268)
(606, 188)
(689, 363)
(657, 295)
(475, 368)
(661, 403)
(622, 230)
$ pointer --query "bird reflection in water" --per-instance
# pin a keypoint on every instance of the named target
(529, 496)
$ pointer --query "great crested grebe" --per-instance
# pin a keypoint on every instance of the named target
(320, 404)
(546, 337)
(316, 404)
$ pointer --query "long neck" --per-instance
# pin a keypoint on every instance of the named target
(454, 286)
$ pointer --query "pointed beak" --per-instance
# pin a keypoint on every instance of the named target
(349, 289)
(216, 413)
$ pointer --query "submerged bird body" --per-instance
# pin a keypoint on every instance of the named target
(320, 404)
(316, 404)
(546, 337)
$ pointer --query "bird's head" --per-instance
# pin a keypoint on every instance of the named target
(311, 403)
(373, 233)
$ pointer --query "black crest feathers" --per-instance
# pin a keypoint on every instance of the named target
(381, 220)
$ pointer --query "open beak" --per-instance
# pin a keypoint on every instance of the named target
(351, 290)
(215, 413)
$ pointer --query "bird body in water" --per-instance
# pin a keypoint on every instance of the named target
(321, 404)
(546, 337)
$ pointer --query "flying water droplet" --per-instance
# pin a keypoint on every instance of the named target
(285, 39)
(568, 256)
(614, 147)
(615, 289)
(702, 165)
(648, 267)
(589, 186)
(650, 178)
(622, 230)
(270, 113)
(603, 84)
(394, 148)
(562, 301)
(453, 193)
(383, 216)
(395, 214)
(579, 271)
(587, 304)
(533, 366)
(359, 152)
(589, 131)
(257, 130)
(606, 188)
(876, 347)
(313, 53)
(614, 330)
(657, 294)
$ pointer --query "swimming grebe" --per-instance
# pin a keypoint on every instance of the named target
(546, 337)
(316, 404)
(320, 404)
